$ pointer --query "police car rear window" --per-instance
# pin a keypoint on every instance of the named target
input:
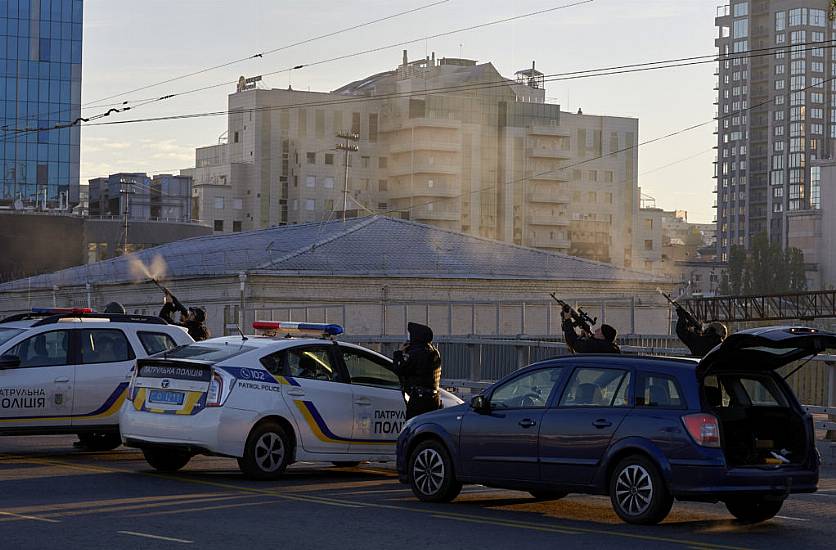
(209, 354)
(7, 334)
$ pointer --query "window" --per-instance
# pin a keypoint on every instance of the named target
(329, 158)
(364, 162)
(779, 84)
(648, 244)
(105, 346)
(367, 370)
(741, 28)
(596, 388)
(219, 203)
(529, 391)
(219, 225)
(779, 69)
(328, 182)
(779, 115)
(275, 363)
(310, 204)
(817, 18)
(310, 181)
(657, 390)
(7, 334)
(237, 204)
(741, 9)
(312, 363)
(48, 349)
(155, 342)
(235, 137)
(780, 20)
(310, 158)
(236, 226)
(208, 353)
(381, 162)
(798, 16)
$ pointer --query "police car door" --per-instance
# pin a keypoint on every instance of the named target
(379, 410)
(39, 390)
(319, 398)
(105, 359)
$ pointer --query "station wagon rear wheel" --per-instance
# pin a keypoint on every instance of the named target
(99, 441)
(267, 453)
(638, 493)
(431, 475)
(754, 509)
(166, 460)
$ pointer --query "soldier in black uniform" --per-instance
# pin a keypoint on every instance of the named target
(193, 318)
(698, 339)
(601, 341)
(418, 365)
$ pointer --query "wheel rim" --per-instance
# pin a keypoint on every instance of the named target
(428, 471)
(269, 452)
(634, 490)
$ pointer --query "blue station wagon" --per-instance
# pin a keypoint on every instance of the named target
(643, 430)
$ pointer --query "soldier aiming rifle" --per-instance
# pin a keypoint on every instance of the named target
(600, 340)
(699, 338)
(193, 318)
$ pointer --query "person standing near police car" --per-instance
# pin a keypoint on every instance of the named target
(418, 365)
(193, 318)
(600, 341)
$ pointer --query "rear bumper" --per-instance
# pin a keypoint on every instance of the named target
(717, 483)
(220, 431)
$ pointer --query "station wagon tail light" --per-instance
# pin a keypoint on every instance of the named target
(220, 386)
(704, 429)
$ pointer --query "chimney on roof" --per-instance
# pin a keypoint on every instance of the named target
(433, 59)
(580, 111)
(405, 60)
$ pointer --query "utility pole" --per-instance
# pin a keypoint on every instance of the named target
(126, 192)
(349, 145)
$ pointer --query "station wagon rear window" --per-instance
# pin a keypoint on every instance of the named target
(7, 334)
(210, 354)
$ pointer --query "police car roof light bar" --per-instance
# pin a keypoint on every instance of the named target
(288, 327)
(62, 310)
(105, 317)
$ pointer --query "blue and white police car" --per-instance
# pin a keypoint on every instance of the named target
(66, 370)
(266, 400)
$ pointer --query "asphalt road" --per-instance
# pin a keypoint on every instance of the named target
(52, 495)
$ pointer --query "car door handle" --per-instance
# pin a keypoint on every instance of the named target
(61, 380)
(362, 401)
(297, 393)
(527, 423)
(602, 423)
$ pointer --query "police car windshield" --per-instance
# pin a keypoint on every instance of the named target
(207, 353)
(7, 334)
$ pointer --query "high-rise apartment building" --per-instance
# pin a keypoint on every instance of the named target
(777, 112)
(40, 87)
(448, 142)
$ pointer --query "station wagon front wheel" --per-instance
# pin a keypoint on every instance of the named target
(267, 452)
(638, 493)
(431, 474)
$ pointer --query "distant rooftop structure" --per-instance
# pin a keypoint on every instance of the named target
(375, 246)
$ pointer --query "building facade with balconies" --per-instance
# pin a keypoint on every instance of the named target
(776, 111)
(448, 142)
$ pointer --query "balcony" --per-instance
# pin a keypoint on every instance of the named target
(423, 190)
(423, 213)
(548, 153)
(548, 197)
(547, 219)
(553, 175)
(423, 167)
(545, 241)
(549, 131)
(407, 145)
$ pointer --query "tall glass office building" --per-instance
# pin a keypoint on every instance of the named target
(40, 87)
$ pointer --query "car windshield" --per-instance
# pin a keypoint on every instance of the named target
(7, 334)
(214, 353)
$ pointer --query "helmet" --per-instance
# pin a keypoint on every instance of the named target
(199, 314)
(115, 307)
(717, 328)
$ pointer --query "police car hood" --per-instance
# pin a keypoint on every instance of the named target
(765, 349)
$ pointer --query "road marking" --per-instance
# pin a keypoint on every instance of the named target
(155, 537)
(791, 518)
(33, 518)
(822, 495)
(503, 523)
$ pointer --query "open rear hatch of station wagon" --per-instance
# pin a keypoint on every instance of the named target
(760, 422)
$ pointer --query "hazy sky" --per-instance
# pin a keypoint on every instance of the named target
(129, 44)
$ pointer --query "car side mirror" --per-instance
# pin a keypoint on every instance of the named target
(480, 404)
(9, 361)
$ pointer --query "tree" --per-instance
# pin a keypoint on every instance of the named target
(765, 269)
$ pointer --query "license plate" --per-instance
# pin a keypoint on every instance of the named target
(166, 397)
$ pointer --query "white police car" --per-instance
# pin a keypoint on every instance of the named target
(266, 401)
(66, 370)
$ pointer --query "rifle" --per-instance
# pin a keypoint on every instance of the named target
(688, 315)
(177, 304)
(579, 316)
